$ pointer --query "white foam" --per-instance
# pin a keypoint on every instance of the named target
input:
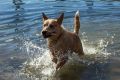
(43, 65)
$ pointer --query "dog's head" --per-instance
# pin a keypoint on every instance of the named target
(51, 27)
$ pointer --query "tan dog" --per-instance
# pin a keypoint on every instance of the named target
(60, 41)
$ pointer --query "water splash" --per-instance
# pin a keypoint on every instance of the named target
(39, 64)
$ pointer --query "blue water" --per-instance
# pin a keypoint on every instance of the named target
(21, 40)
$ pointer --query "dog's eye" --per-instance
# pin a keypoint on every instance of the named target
(51, 26)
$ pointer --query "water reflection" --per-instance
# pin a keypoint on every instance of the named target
(89, 4)
(19, 13)
(60, 0)
(16, 2)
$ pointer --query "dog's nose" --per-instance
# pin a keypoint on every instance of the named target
(44, 32)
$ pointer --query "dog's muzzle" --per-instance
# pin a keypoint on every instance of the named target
(46, 34)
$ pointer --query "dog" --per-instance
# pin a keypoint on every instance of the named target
(60, 41)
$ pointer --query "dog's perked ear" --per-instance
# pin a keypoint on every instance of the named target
(60, 19)
(44, 17)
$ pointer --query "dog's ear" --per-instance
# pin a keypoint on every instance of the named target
(60, 19)
(44, 17)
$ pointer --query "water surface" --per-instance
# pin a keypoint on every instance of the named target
(23, 49)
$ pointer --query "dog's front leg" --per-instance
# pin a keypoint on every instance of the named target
(53, 57)
(61, 63)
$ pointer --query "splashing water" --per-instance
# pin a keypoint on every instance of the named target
(40, 67)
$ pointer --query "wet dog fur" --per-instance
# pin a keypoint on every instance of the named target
(60, 41)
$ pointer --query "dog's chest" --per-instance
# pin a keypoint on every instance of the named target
(55, 47)
(61, 46)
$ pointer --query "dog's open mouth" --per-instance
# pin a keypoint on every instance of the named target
(47, 36)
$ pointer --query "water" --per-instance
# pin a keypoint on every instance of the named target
(25, 56)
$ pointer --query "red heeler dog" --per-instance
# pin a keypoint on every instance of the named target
(60, 41)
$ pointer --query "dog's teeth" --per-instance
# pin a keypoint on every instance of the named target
(77, 13)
